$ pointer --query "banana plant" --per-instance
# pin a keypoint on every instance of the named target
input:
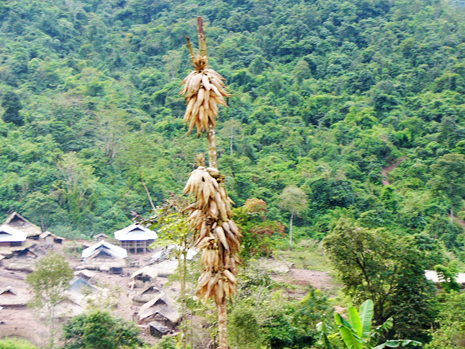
(356, 331)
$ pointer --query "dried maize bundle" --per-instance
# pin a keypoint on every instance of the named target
(203, 89)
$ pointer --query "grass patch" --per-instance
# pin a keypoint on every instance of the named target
(307, 254)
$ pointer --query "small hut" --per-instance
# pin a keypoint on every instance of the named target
(46, 239)
(11, 237)
(15, 220)
(160, 309)
(78, 286)
(10, 298)
(158, 330)
(147, 295)
(86, 275)
(136, 238)
(145, 276)
(100, 237)
(68, 308)
(169, 252)
(104, 256)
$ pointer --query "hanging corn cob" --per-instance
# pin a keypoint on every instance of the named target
(216, 233)
(204, 90)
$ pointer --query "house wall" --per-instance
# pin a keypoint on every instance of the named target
(11, 244)
(136, 246)
(48, 241)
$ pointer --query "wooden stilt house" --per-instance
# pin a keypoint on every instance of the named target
(136, 238)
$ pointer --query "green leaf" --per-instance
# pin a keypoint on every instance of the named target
(366, 316)
(348, 334)
(355, 321)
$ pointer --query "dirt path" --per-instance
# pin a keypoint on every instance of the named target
(386, 170)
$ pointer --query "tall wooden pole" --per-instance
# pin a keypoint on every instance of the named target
(212, 155)
(213, 160)
(216, 233)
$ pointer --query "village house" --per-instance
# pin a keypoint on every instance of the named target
(10, 298)
(136, 238)
(104, 256)
(147, 295)
(16, 221)
(11, 237)
(100, 237)
(47, 239)
(145, 276)
(161, 309)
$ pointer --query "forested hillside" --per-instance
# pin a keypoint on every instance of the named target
(325, 94)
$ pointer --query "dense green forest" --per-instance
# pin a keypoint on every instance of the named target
(355, 105)
(325, 94)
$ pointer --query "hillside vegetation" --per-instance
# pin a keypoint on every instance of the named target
(325, 94)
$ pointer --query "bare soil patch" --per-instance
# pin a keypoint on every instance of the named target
(386, 170)
(303, 277)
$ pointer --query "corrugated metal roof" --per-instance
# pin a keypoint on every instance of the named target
(10, 234)
(110, 248)
(135, 233)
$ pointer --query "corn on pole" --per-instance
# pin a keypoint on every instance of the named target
(216, 234)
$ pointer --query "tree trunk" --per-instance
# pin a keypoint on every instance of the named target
(290, 231)
(231, 143)
(223, 325)
(451, 214)
(147, 191)
(183, 273)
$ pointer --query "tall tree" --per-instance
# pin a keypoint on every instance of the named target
(448, 182)
(49, 280)
(12, 105)
(294, 200)
(378, 265)
(76, 185)
(231, 129)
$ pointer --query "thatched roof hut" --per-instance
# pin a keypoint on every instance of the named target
(161, 309)
(87, 275)
(104, 256)
(158, 330)
(68, 308)
(100, 237)
(47, 239)
(147, 294)
(17, 221)
(145, 275)
(11, 298)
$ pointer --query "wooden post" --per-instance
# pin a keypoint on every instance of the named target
(202, 37)
(213, 160)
